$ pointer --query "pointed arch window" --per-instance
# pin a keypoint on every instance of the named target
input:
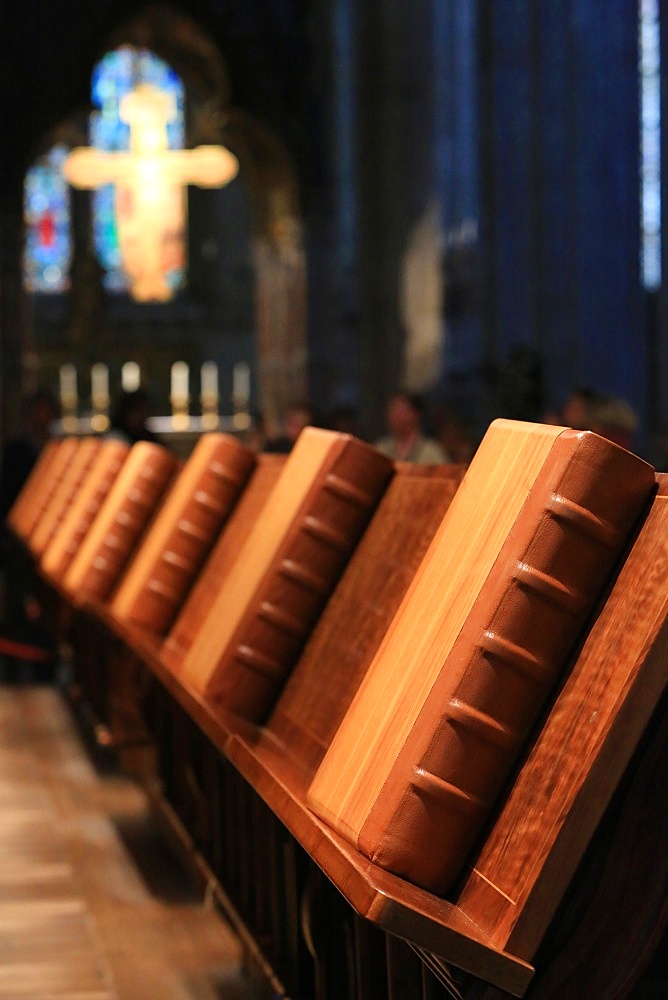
(115, 76)
(48, 238)
(47, 252)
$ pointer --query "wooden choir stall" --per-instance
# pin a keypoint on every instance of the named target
(406, 723)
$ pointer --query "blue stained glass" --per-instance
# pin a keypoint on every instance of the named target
(47, 252)
(650, 144)
(116, 74)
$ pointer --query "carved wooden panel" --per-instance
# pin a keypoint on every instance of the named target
(44, 486)
(123, 516)
(63, 547)
(286, 570)
(64, 495)
(179, 539)
(491, 618)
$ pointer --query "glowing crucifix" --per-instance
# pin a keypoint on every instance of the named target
(150, 184)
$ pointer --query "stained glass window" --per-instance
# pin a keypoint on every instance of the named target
(48, 236)
(116, 75)
(650, 143)
(46, 212)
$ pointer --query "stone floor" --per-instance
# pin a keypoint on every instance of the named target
(93, 906)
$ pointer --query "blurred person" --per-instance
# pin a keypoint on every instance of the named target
(456, 436)
(579, 409)
(129, 418)
(297, 417)
(255, 437)
(406, 440)
(613, 418)
(610, 416)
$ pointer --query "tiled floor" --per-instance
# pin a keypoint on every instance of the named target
(92, 905)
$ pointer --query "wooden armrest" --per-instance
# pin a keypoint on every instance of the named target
(387, 901)
(135, 638)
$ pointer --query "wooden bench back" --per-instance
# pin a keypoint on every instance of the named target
(64, 545)
(64, 495)
(21, 510)
(170, 555)
(492, 917)
(123, 516)
(197, 603)
(285, 571)
(41, 487)
(495, 915)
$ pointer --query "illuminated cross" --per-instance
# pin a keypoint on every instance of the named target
(150, 184)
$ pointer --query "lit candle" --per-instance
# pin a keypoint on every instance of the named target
(99, 386)
(209, 395)
(240, 385)
(130, 376)
(179, 395)
(99, 391)
(68, 386)
(179, 382)
(241, 396)
(209, 382)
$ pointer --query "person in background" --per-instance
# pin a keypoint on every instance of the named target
(40, 411)
(456, 436)
(613, 418)
(255, 437)
(580, 407)
(406, 440)
(297, 417)
(610, 416)
(129, 417)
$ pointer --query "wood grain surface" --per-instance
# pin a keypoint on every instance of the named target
(494, 919)
(20, 510)
(351, 628)
(64, 495)
(63, 547)
(45, 486)
(203, 593)
(120, 521)
(285, 571)
(581, 751)
(428, 622)
(472, 653)
(173, 549)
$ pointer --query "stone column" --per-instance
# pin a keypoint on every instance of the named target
(395, 180)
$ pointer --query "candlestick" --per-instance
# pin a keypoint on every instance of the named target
(241, 395)
(179, 394)
(209, 394)
(130, 376)
(180, 380)
(240, 384)
(68, 384)
(68, 396)
(99, 385)
(99, 391)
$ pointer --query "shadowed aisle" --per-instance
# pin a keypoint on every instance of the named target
(92, 904)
